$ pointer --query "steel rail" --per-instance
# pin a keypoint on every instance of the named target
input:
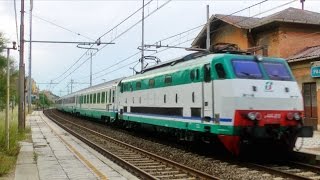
(188, 170)
(277, 171)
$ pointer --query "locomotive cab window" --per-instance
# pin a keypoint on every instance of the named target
(247, 69)
(277, 71)
(220, 71)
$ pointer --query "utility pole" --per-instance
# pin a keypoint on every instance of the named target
(208, 29)
(21, 114)
(7, 137)
(30, 44)
(142, 42)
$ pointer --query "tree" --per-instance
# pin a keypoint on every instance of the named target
(3, 75)
(43, 101)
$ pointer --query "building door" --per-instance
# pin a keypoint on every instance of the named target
(310, 104)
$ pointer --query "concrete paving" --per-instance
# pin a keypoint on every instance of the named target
(309, 145)
(55, 154)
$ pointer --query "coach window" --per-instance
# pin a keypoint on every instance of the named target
(106, 96)
(109, 95)
(90, 98)
(207, 72)
(151, 83)
(138, 85)
(168, 80)
(94, 98)
(98, 98)
(87, 98)
(192, 74)
(197, 74)
(131, 88)
(103, 97)
(220, 71)
(113, 96)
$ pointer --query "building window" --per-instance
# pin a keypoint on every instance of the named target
(220, 71)
(167, 80)
(151, 83)
(310, 100)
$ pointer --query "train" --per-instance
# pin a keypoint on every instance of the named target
(237, 99)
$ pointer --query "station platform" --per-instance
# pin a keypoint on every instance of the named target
(55, 154)
(309, 145)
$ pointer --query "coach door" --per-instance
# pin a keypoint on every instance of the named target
(207, 98)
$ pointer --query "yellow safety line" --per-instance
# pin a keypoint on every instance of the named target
(80, 156)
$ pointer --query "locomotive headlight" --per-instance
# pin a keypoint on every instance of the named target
(296, 116)
(289, 116)
(252, 116)
(258, 116)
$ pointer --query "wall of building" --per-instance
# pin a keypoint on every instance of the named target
(231, 34)
(295, 37)
(302, 73)
(269, 38)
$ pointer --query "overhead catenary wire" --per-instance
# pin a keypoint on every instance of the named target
(178, 34)
(98, 38)
(61, 27)
(128, 29)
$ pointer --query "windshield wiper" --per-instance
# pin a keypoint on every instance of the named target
(249, 75)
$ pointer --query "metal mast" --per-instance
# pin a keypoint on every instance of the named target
(21, 108)
(208, 29)
(142, 42)
(30, 44)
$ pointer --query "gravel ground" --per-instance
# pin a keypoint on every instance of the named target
(214, 166)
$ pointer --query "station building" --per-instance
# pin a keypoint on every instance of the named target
(293, 34)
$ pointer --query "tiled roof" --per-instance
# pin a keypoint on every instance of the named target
(291, 15)
(239, 21)
(306, 54)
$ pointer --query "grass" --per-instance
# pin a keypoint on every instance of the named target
(8, 157)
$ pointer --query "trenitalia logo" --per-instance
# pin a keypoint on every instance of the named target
(268, 86)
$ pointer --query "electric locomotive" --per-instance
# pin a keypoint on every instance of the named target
(239, 99)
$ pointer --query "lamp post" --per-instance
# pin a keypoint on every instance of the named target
(8, 95)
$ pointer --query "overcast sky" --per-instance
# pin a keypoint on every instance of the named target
(94, 18)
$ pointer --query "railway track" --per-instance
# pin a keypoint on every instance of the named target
(290, 169)
(142, 163)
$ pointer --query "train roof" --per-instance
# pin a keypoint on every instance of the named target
(94, 88)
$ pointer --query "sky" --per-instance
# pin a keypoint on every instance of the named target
(87, 20)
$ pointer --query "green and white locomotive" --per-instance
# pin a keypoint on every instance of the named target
(240, 99)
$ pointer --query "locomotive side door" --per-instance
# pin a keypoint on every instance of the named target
(207, 94)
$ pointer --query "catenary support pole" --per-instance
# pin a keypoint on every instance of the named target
(142, 42)
(8, 101)
(208, 29)
(30, 56)
(21, 107)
